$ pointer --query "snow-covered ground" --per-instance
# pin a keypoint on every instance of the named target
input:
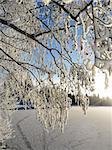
(90, 132)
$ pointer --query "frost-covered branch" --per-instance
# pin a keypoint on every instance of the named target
(54, 47)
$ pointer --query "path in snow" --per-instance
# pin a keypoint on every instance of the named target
(90, 132)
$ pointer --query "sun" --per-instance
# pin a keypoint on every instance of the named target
(100, 85)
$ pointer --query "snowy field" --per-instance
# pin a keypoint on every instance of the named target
(90, 132)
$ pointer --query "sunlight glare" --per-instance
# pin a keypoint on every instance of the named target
(100, 85)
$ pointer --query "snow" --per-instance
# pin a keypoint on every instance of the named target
(82, 132)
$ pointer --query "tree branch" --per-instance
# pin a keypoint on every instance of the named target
(68, 12)
(18, 63)
(7, 23)
(26, 63)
